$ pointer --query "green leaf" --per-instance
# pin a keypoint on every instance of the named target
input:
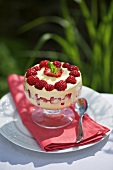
(42, 20)
(67, 48)
(88, 19)
(53, 68)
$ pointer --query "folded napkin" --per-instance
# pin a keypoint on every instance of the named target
(52, 139)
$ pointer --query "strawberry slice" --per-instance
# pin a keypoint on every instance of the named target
(48, 72)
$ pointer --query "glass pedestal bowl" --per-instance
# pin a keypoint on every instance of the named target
(53, 118)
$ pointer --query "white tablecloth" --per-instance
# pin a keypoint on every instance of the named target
(96, 157)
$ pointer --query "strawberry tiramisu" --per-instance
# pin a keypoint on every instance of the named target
(53, 85)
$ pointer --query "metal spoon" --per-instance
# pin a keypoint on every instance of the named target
(80, 106)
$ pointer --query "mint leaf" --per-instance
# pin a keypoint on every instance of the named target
(53, 68)
(49, 64)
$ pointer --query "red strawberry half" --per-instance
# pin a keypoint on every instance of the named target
(74, 73)
(31, 80)
(57, 64)
(60, 85)
(49, 87)
(71, 79)
(31, 71)
(48, 72)
(43, 63)
(40, 84)
(73, 67)
(66, 65)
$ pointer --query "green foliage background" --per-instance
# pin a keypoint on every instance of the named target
(81, 30)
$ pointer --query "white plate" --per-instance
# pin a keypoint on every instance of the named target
(12, 128)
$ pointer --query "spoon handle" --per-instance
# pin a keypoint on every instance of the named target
(80, 133)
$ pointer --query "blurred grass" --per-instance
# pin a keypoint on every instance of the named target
(11, 62)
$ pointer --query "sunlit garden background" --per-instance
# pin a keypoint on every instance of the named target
(81, 30)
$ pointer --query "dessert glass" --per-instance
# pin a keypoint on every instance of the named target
(56, 114)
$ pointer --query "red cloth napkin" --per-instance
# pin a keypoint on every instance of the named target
(52, 139)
